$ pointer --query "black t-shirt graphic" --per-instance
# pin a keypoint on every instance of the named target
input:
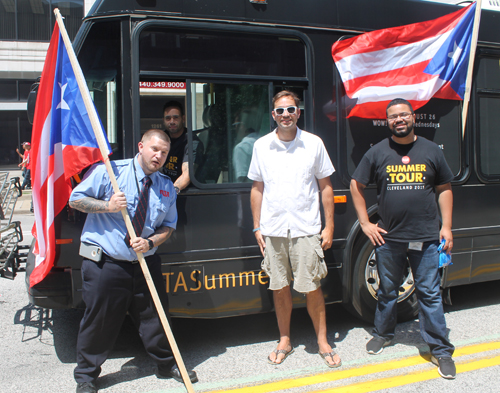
(179, 153)
(405, 176)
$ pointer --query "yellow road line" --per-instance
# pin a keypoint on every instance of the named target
(417, 376)
(357, 371)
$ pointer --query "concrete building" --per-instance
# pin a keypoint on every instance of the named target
(25, 30)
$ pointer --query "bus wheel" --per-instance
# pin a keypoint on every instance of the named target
(366, 282)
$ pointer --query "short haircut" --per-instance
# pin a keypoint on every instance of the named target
(174, 104)
(155, 132)
(286, 93)
(399, 101)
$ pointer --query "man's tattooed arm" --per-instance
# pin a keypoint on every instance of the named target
(92, 205)
(161, 234)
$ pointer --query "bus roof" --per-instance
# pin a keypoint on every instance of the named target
(486, 5)
(332, 14)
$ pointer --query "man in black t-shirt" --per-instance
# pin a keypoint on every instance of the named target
(177, 164)
(409, 172)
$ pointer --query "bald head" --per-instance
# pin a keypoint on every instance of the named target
(153, 150)
(155, 132)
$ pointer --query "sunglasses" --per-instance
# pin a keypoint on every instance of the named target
(291, 110)
(404, 116)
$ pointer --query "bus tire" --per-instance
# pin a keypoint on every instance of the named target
(365, 285)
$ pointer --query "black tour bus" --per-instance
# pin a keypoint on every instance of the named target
(224, 60)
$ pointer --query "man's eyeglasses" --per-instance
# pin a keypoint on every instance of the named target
(291, 110)
(404, 116)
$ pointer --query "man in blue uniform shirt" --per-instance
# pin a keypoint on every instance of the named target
(113, 283)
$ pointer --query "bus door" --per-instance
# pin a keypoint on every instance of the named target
(225, 78)
(485, 119)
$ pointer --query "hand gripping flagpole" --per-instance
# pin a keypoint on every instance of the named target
(470, 68)
(96, 126)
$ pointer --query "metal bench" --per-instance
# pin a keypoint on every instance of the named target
(12, 255)
(9, 193)
(4, 176)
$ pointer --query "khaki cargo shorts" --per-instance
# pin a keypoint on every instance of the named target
(301, 258)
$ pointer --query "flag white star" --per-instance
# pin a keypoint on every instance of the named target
(63, 104)
(455, 54)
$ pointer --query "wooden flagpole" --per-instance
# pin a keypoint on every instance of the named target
(470, 68)
(96, 126)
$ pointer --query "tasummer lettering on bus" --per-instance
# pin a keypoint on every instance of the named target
(195, 281)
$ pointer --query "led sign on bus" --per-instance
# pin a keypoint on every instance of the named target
(162, 85)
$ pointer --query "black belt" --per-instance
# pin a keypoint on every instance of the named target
(106, 256)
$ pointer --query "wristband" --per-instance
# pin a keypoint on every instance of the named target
(256, 229)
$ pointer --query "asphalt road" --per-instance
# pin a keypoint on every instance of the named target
(38, 350)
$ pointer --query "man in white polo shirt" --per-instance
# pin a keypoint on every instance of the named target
(290, 168)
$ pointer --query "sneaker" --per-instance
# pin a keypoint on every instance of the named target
(446, 367)
(376, 345)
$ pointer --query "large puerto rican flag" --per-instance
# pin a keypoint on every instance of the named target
(63, 143)
(415, 62)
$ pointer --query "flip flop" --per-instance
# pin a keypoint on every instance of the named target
(277, 352)
(324, 355)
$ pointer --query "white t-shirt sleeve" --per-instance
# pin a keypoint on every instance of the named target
(254, 171)
(324, 166)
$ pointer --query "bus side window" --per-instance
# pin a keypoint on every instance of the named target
(488, 103)
(228, 119)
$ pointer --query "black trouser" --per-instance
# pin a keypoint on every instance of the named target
(110, 290)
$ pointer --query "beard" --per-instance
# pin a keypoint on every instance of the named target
(402, 134)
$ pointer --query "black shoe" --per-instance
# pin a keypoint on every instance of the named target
(173, 372)
(376, 345)
(446, 367)
(86, 387)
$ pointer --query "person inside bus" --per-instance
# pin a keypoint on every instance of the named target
(113, 282)
(290, 169)
(213, 164)
(177, 164)
(413, 180)
(245, 136)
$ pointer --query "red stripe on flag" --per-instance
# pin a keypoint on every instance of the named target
(372, 110)
(447, 93)
(411, 75)
(396, 36)
(43, 229)
(74, 155)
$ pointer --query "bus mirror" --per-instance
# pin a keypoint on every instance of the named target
(32, 101)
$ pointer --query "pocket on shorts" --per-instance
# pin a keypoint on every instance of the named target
(266, 264)
(321, 270)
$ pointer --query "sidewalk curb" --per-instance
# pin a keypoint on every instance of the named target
(23, 204)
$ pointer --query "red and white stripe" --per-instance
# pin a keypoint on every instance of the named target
(384, 64)
(50, 188)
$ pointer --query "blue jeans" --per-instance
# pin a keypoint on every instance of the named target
(391, 262)
(27, 179)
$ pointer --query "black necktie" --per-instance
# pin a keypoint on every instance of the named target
(140, 212)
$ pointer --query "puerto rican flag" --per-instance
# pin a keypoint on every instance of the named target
(63, 143)
(415, 62)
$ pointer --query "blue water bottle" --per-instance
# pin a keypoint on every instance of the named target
(444, 258)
